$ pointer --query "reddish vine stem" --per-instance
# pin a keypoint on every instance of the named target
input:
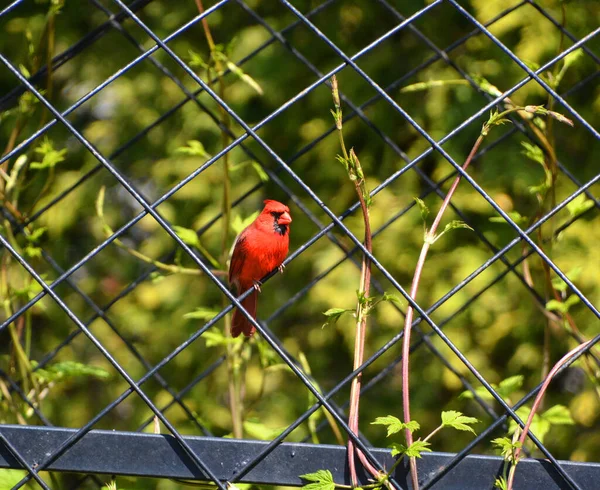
(536, 405)
(354, 169)
(430, 236)
(359, 341)
(409, 312)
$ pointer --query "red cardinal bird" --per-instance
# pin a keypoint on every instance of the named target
(259, 249)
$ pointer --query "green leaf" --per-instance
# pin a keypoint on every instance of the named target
(558, 415)
(416, 448)
(423, 207)
(30, 291)
(532, 65)
(392, 298)
(70, 369)
(455, 224)
(481, 392)
(196, 61)
(572, 58)
(506, 447)
(343, 161)
(194, 148)
(539, 189)
(509, 385)
(495, 120)
(397, 448)
(560, 285)
(539, 426)
(50, 156)
(262, 175)
(323, 480)
(33, 252)
(36, 234)
(572, 300)
(111, 485)
(458, 421)
(24, 71)
(256, 430)
(156, 277)
(556, 305)
(201, 313)
(244, 77)
(579, 205)
(215, 338)
(189, 237)
(533, 152)
(267, 355)
(238, 224)
(9, 478)
(394, 424)
(513, 215)
(239, 486)
(334, 314)
(14, 173)
(486, 86)
(501, 483)
(504, 389)
(100, 202)
(363, 299)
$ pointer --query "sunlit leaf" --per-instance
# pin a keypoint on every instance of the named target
(558, 415)
(70, 369)
(572, 275)
(394, 424)
(458, 421)
(579, 205)
(423, 207)
(201, 313)
(513, 215)
(238, 224)
(334, 314)
(193, 148)
(322, 480)
(506, 447)
(262, 175)
(416, 448)
(189, 237)
(50, 156)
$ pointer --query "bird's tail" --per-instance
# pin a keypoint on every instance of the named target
(240, 323)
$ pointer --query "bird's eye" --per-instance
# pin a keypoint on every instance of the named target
(276, 215)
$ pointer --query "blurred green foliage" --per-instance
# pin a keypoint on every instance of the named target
(501, 332)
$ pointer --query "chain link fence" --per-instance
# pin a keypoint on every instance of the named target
(314, 44)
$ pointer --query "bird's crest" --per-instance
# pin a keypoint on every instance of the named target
(275, 206)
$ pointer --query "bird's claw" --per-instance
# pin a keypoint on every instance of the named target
(281, 267)
(257, 286)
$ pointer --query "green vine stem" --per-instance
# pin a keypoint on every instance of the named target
(171, 268)
(235, 361)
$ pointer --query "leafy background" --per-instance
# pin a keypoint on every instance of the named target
(501, 333)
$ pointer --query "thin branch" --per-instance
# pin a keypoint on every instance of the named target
(234, 360)
(355, 172)
(430, 236)
(536, 405)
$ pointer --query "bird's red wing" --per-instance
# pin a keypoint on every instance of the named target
(237, 258)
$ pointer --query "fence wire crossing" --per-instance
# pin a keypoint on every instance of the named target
(116, 13)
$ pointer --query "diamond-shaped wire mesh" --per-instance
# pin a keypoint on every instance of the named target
(107, 283)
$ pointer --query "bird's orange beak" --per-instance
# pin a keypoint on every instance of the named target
(285, 219)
